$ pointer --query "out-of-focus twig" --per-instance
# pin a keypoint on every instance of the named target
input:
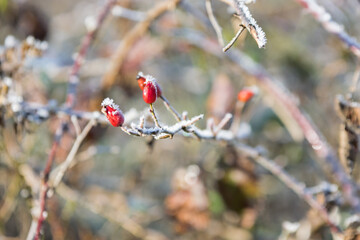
(70, 102)
(299, 188)
(57, 176)
(133, 15)
(71, 195)
(318, 143)
(214, 22)
(45, 185)
(131, 38)
(325, 19)
(171, 108)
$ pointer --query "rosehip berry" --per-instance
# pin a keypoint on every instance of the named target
(141, 79)
(112, 112)
(150, 92)
(246, 94)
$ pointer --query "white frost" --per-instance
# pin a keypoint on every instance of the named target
(110, 102)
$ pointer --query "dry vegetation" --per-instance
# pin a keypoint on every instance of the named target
(277, 161)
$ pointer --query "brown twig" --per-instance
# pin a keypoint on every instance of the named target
(279, 93)
(243, 13)
(171, 108)
(290, 182)
(232, 41)
(153, 114)
(131, 38)
(214, 22)
(70, 102)
(71, 195)
(324, 18)
(84, 47)
(58, 175)
(44, 183)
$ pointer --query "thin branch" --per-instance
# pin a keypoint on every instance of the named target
(325, 19)
(279, 93)
(290, 182)
(171, 108)
(84, 47)
(39, 112)
(160, 132)
(243, 13)
(70, 102)
(76, 125)
(229, 45)
(131, 38)
(222, 123)
(57, 174)
(237, 117)
(44, 183)
(153, 114)
(119, 11)
(71, 195)
(214, 22)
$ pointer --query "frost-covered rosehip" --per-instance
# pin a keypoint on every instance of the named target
(112, 112)
(246, 94)
(150, 91)
(141, 79)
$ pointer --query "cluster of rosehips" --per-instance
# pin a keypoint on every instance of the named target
(151, 91)
(149, 86)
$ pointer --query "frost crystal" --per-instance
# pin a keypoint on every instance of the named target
(250, 23)
(30, 40)
(110, 102)
(90, 23)
(10, 41)
(150, 78)
(141, 74)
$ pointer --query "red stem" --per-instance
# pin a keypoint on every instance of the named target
(70, 103)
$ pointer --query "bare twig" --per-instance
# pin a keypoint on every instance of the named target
(324, 18)
(57, 174)
(237, 116)
(250, 23)
(222, 123)
(70, 102)
(160, 132)
(153, 114)
(67, 193)
(132, 37)
(322, 149)
(171, 108)
(44, 184)
(119, 11)
(214, 22)
(76, 125)
(229, 45)
(290, 182)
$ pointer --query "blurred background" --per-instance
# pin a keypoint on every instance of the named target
(123, 182)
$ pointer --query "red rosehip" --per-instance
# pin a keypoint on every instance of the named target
(150, 92)
(112, 112)
(246, 94)
(141, 79)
